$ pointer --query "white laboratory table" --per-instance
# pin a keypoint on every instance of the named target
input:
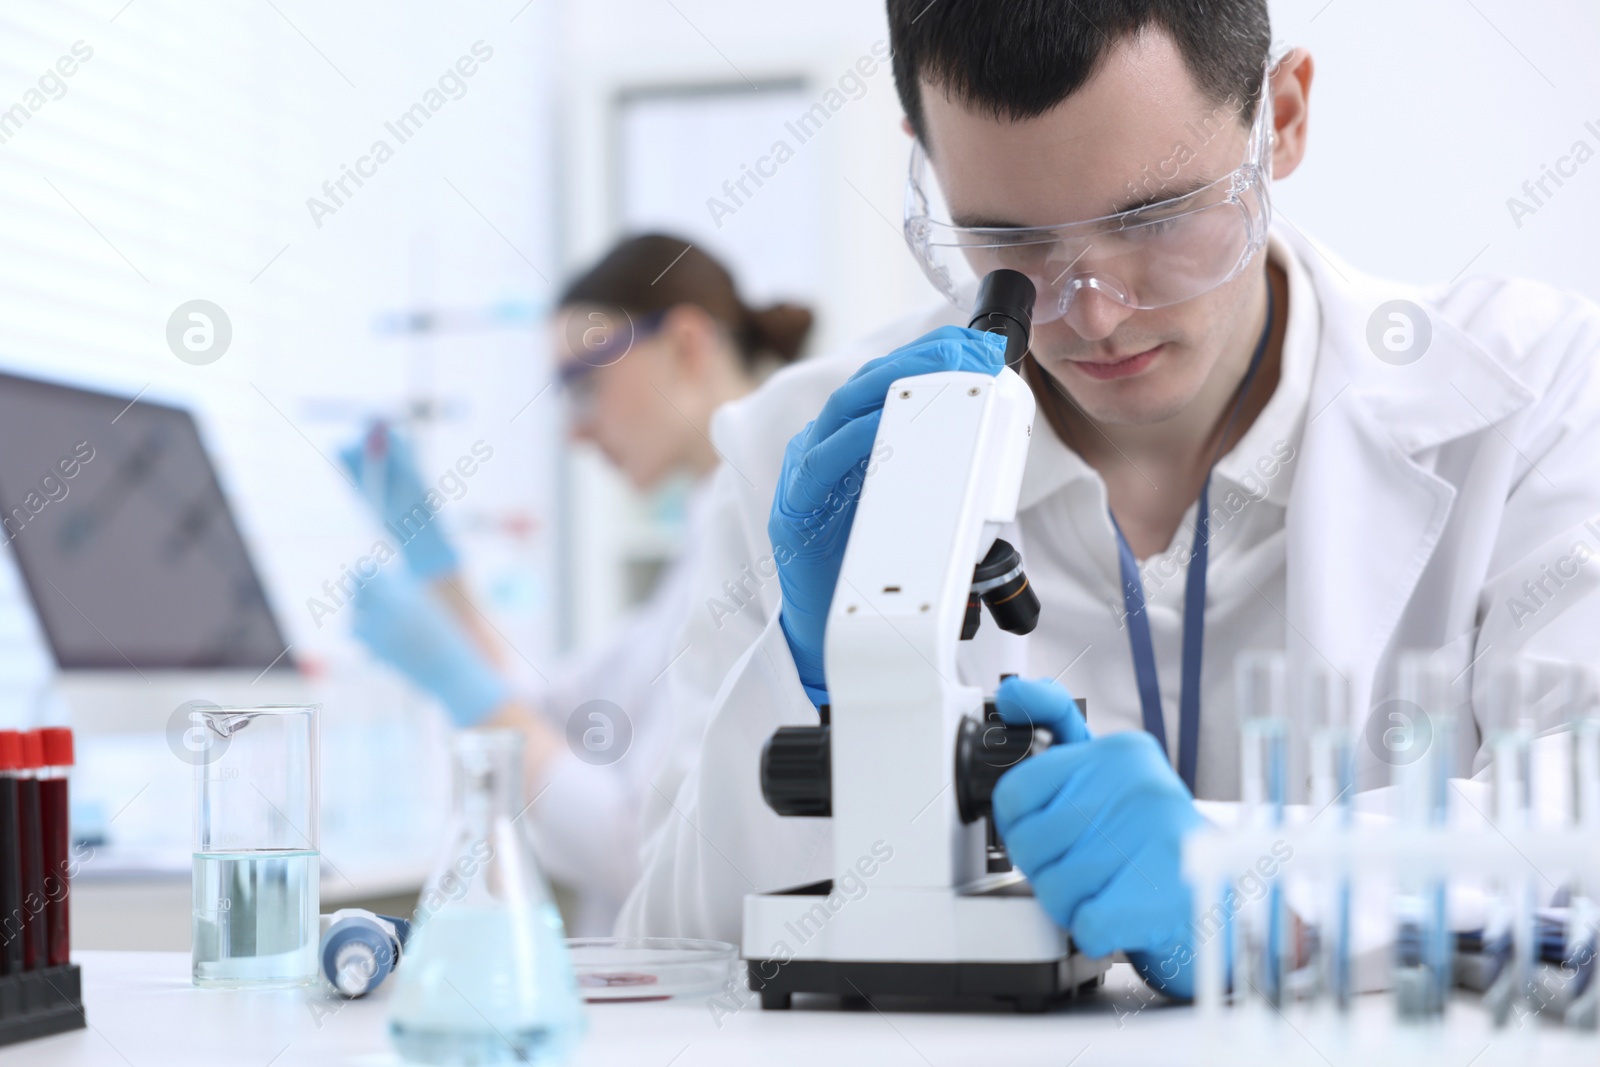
(143, 1012)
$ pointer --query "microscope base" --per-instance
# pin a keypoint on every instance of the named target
(1031, 987)
(999, 945)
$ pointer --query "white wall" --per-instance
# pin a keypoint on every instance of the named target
(1427, 115)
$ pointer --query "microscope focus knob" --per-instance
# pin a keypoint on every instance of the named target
(797, 771)
(984, 751)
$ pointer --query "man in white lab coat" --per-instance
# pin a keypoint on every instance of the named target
(1385, 468)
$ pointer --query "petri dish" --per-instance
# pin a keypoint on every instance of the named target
(649, 968)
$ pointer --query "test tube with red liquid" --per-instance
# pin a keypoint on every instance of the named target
(35, 938)
(11, 911)
(56, 743)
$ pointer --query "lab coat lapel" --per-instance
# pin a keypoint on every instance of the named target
(1363, 519)
(1365, 513)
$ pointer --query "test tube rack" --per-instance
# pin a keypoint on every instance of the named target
(1215, 861)
(41, 990)
(41, 1002)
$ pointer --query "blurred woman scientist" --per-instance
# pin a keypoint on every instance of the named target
(649, 343)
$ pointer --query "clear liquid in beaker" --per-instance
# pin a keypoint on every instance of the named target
(255, 918)
(487, 985)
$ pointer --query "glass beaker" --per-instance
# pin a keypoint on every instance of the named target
(486, 977)
(256, 859)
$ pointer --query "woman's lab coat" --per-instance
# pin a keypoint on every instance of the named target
(585, 820)
(1428, 501)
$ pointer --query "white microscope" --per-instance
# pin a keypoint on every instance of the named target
(906, 757)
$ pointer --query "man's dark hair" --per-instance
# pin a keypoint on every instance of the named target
(1016, 59)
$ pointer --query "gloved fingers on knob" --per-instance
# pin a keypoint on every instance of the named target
(1041, 785)
(1039, 838)
(1034, 702)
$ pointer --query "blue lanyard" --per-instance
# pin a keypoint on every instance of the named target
(1194, 605)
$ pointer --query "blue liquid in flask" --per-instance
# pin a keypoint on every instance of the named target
(486, 978)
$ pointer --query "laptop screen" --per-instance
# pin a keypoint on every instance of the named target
(123, 537)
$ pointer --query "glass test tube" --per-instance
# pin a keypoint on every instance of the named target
(11, 914)
(1419, 740)
(1327, 710)
(55, 840)
(1263, 769)
(1508, 930)
(35, 936)
(1583, 920)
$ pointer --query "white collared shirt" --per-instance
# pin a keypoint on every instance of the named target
(1070, 552)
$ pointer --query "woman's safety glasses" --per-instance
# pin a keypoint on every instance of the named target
(1148, 257)
(598, 339)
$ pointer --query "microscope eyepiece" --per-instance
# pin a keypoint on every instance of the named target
(1005, 306)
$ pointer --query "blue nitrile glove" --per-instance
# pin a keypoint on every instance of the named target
(385, 470)
(1097, 825)
(821, 482)
(403, 625)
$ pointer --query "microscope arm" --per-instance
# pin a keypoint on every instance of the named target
(953, 448)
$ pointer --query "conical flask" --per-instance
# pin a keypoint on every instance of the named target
(486, 978)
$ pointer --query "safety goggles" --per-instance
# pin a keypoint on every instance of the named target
(576, 377)
(1151, 256)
